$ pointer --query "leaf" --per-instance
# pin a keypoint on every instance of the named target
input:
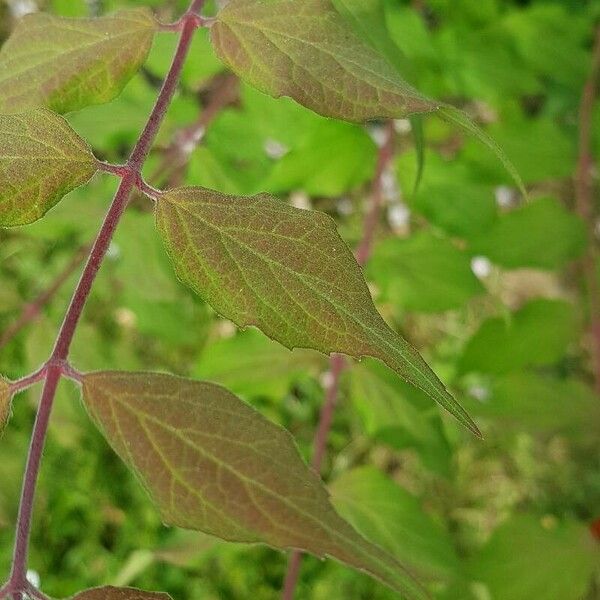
(5, 401)
(261, 367)
(305, 49)
(212, 463)
(67, 64)
(458, 117)
(424, 273)
(540, 234)
(369, 22)
(526, 559)
(308, 51)
(388, 515)
(114, 593)
(541, 403)
(258, 261)
(41, 160)
(397, 414)
(537, 334)
(335, 158)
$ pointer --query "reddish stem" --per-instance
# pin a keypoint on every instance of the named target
(585, 201)
(56, 364)
(31, 310)
(337, 362)
(186, 140)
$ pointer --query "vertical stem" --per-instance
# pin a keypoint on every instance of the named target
(32, 309)
(80, 296)
(585, 201)
(337, 362)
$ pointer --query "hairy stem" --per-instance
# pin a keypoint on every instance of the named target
(337, 362)
(585, 200)
(57, 362)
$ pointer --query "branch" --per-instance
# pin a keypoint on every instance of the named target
(176, 158)
(57, 362)
(225, 89)
(337, 362)
(31, 310)
(585, 200)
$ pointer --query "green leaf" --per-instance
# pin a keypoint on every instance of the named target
(525, 559)
(383, 402)
(389, 516)
(539, 148)
(67, 64)
(211, 462)
(540, 234)
(258, 261)
(458, 117)
(333, 159)
(537, 334)
(305, 49)
(114, 593)
(449, 195)
(261, 367)
(5, 402)
(397, 414)
(540, 403)
(41, 160)
(423, 273)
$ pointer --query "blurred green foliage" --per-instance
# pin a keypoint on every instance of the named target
(486, 286)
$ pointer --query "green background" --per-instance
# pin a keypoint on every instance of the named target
(489, 288)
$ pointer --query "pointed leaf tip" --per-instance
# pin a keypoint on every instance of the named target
(213, 463)
(317, 55)
(261, 262)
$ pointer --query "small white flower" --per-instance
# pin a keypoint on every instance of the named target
(505, 196)
(20, 8)
(398, 215)
(275, 149)
(481, 266)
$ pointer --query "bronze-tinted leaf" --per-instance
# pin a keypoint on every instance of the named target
(259, 261)
(41, 160)
(213, 463)
(114, 593)
(307, 50)
(5, 401)
(67, 64)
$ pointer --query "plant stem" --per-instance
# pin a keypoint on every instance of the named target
(80, 296)
(32, 309)
(585, 201)
(337, 362)
(176, 156)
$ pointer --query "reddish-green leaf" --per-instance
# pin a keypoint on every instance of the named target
(260, 262)
(213, 463)
(5, 398)
(67, 64)
(307, 50)
(41, 160)
(113, 593)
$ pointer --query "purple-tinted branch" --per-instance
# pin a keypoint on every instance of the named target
(32, 310)
(176, 155)
(57, 362)
(585, 200)
(337, 362)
